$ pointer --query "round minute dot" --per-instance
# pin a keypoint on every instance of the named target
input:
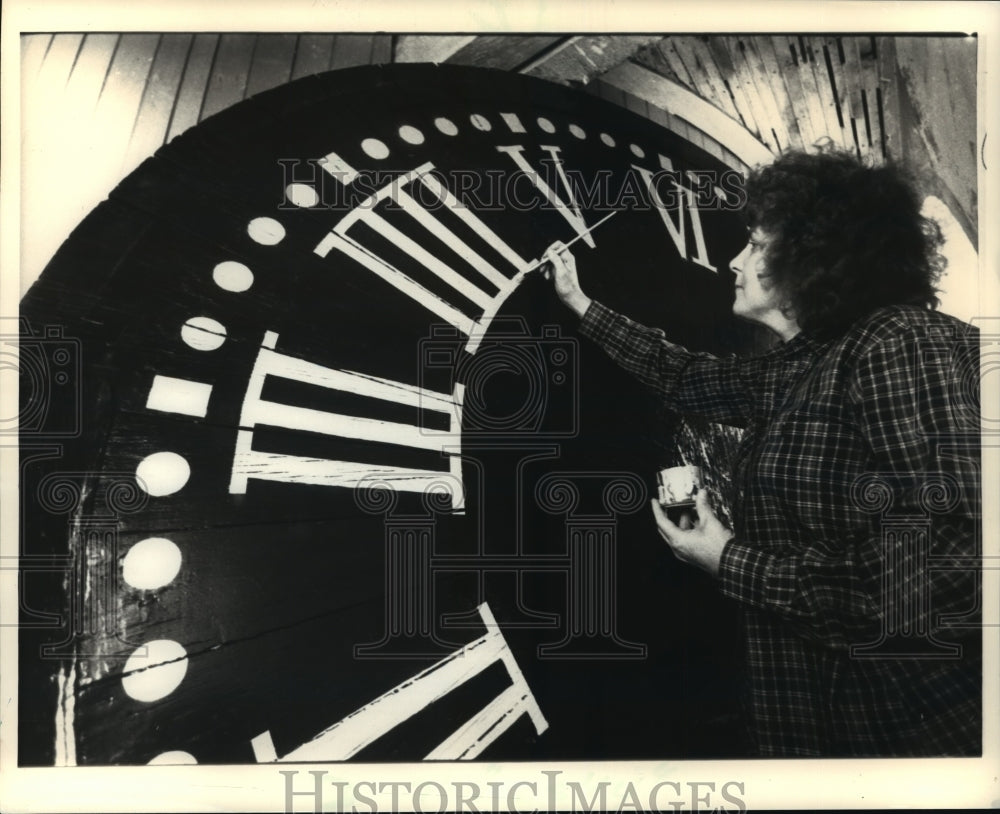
(151, 563)
(155, 670)
(446, 126)
(577, 131)
(546, 125)
(203, 333)
(174, 758)
(375, 148)
(637, 151)
(162, 473)
(266, 231)
(610, 142)
(231, 275)
(480, 122)
(411, 135)
(301, 195)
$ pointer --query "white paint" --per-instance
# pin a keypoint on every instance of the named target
(231, 275)
(249, 463)
(610, 142)
(362, 727)
(334, 165)
(302, 195)
(637, 151)
(375, 148)
(480, 122)
(446, 126)
(65, 719)
(577, 131)
(513, 122)
(154, 670)
(170, 395)
(430, 221)
(203, 333)
(162, 473)
(151, 563)
(546, 125)
(677, 231)
(570, 212)
(266, 231)
(411, 135)
(175, 758)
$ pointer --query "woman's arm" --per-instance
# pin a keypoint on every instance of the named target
(688, 383)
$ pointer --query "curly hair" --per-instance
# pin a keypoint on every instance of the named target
(845, 238)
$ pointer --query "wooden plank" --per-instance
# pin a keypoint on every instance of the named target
(848, 95)
(888, 99)
(850, 78)
(273, 55)
(227, 82)
(765, 115)
(351, 50)
(700, 57)
(859, 51)
(821, 81)
(669, 49)
(656, 60)
(194, 83)
(312, 55)
(812, 100)
(153, 119)
(719, 47)
(802, 103)
(504, 51)
(425, 48)
(773, 87)
(695, 70)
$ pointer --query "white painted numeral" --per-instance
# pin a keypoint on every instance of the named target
(676, 230)
(339, 239)
(250, 463)
(570, 211)
(364, 726)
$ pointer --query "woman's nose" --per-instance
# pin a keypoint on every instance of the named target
(736, 264)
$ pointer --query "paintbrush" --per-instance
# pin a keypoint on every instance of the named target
(539, 263)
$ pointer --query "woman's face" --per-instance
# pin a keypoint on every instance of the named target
(756, 299)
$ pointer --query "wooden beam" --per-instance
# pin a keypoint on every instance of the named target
(679, 101)
(426, 48)
(580, 60)
(505, 52)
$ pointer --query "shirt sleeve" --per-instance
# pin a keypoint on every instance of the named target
(915, 563)
(688, 383)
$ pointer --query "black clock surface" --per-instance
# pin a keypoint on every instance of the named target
(315, 467)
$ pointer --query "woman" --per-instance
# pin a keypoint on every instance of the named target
(859, 460)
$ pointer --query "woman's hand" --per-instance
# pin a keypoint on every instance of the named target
(700, 546)
(559, 265)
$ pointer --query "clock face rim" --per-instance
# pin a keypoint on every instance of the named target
(267, 105)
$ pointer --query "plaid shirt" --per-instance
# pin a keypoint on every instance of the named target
(856, 526)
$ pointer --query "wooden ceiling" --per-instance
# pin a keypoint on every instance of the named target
(100, 103)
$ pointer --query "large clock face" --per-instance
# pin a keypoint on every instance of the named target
(338, 478)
